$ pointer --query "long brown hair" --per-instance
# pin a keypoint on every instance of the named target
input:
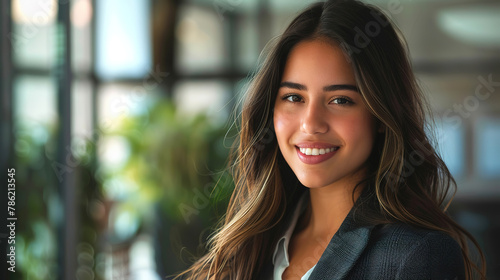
(408, 182)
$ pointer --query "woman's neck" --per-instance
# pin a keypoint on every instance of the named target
(327, 209)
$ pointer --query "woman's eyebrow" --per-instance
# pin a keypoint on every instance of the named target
(293, 85)
(341, 87)
(298, 86)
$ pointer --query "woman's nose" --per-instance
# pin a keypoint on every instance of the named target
(314, 119)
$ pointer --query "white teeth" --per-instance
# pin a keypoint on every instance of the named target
(315, 151)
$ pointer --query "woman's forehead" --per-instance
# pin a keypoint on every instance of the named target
(317, 62)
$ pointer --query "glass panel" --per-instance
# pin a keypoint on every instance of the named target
(477, 25)
(210, 97)
(81, 44)
(33, 35)
(224, 6)
(81, 119)
(35, 121)
(142, 259)
(35, 101)
(120, 107)
(451, 144)
(487, 149)
(247, 43)
(124, 111)
(123, 39)
(201, 42)
(290, 7)
(82, 109)
(117, 102)
(279, 22)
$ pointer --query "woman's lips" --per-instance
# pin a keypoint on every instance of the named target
(315, 155)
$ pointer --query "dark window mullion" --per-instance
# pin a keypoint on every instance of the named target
(67, 228)
(6, 122)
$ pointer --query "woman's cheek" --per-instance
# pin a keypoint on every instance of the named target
(356, 128)
(347, 126)
(283, 126)
(282, 120)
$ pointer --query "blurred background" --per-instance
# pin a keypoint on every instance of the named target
(116, 116)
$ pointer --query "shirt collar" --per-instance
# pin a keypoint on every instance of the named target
(285, 239)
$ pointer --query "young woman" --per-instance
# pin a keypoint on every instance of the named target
(349, 186)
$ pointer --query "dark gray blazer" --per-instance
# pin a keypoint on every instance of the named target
(392, 251)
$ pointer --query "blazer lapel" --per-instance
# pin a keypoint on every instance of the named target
(343, 250)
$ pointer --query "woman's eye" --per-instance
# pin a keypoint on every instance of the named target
(342, 101)
(293, 98)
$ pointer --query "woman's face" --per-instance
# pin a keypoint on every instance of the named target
(324, 130)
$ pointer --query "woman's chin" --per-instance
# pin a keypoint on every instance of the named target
(313, 184)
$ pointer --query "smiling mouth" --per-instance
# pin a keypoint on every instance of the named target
(316, 151)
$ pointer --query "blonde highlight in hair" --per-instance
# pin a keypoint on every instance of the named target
(398, 187)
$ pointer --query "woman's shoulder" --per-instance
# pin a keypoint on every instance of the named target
(415, 253)
(403, 235)
(403, 240)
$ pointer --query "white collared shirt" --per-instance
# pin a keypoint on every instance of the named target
(280, 257)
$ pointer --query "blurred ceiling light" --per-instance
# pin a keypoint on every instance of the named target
(81, 13)
(35, 12)
(477, 25)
